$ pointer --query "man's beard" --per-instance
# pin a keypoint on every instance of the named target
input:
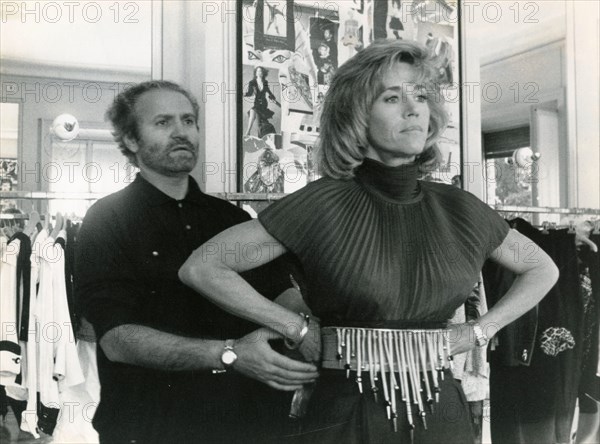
(164, 162)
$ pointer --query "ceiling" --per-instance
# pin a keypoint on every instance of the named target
(108, 35)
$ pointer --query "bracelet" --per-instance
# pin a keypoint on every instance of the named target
(293, 345)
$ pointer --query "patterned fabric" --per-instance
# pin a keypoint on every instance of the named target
(385, 246)
(555, 340)
(381, 247)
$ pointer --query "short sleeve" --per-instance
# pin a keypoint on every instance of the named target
(293, 220)
(105, 291)
(490, 226)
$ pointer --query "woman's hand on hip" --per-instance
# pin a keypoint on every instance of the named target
(310, 347)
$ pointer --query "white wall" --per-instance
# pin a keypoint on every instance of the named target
(198, 51)
(583, 102)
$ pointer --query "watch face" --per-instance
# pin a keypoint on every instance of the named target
(228, 357)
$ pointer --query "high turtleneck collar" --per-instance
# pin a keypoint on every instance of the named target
(397, 184)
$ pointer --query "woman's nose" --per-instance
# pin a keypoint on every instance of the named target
(410, 109)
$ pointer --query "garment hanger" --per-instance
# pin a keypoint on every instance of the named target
(46, 223)
(582, 234)
(31, 225)
(582, 230)
(10, 227)
(58, 226)
(4, 228)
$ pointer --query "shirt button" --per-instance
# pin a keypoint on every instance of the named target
(180, 205)
(155, 253)
(188, 227)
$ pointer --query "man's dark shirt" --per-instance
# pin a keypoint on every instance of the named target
(130, 248)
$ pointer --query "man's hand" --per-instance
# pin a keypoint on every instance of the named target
(257, 360)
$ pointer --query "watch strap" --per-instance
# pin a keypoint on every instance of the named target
(480, 337)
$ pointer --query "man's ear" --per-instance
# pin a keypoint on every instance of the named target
(131, 144)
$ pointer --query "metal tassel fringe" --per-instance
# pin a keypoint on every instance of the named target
(402, 360)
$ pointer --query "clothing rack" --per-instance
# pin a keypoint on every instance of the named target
(547, 210)
(276, 196)
(12, 216)
(268, 197)
(545, 225)
(48, 195)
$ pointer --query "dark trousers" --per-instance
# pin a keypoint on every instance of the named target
(338, 414)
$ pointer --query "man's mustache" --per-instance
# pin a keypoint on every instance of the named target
(182, 143)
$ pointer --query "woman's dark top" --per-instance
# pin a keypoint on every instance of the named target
(384, 245)
(261, 106)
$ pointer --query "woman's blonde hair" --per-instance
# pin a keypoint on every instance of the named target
(348, 102)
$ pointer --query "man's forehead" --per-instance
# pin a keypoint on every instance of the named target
(163, 101)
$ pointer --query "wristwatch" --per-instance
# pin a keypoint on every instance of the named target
(481, 339)
(228, 357)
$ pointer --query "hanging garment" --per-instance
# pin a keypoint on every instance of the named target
(29, 421)
(23, 283)
(71, 244)
(590, 284)
(79, 402)
(53, 363)
(58, 361)
(24, 398)
(536, 402)
(3, 403)
(10, 350)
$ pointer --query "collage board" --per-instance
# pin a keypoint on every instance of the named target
(290, 52)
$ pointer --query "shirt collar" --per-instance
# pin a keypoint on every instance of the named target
(155, 197)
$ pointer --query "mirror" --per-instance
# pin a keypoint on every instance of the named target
(520, 68)
(530, 66)
(70, 58)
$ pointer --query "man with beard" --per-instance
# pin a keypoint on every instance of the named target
(170, 366)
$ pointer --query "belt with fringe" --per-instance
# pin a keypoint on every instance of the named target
(408, 362)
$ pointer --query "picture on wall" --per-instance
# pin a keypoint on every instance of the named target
(324, 45)
(262, 165)
(274, 25)
(9, 174)
(262, 101)
(286, 68)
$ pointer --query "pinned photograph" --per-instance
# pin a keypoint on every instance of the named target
(274, 25)
(262, 104)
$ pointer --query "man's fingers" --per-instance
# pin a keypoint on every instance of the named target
(292, 375)
(290, 379)
(285, 388)
(292, 365)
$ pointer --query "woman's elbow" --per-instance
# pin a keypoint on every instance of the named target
(190, 273)
(553, 272)
(545, 273)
